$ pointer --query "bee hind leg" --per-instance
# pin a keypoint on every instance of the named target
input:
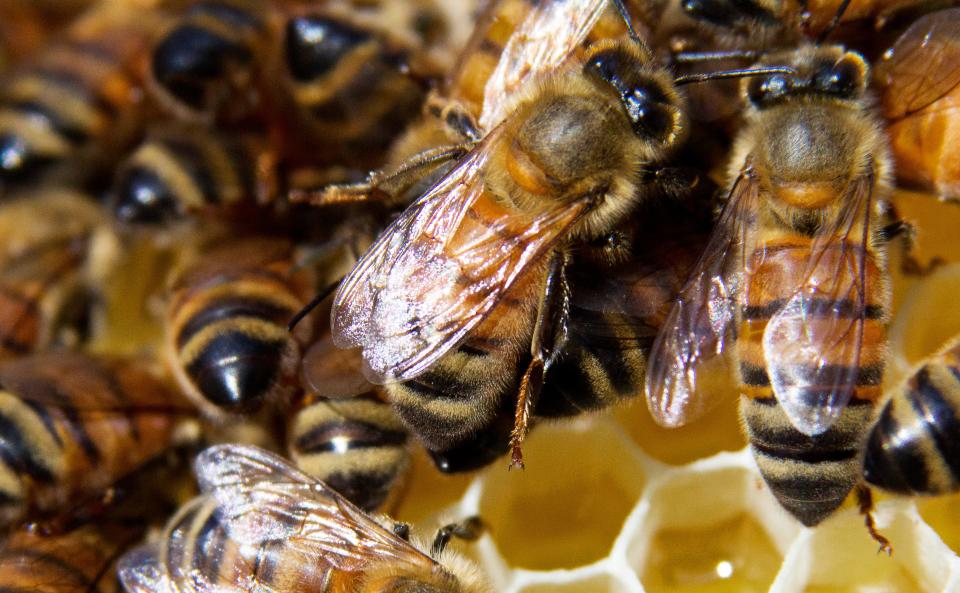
(548, 332)
(865, 502)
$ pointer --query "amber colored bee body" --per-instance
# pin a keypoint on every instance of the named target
(795, 277)
(179, 171)
(913, 447)
(73, 426)
(80, 561)
(299, 535)
(66, 113)
(920, 80)
(226, 325)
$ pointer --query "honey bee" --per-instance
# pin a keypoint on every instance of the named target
(47, 269)
(794, 281)
(73, 425)
(227, 342)
(474, 273)
(264, 525)
(345, 434)
(920, 81)
(179, 171)
(21, 32)
(65, 114)
(912, 448)
(80, 561)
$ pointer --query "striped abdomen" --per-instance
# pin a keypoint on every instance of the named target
(914, 447)
(80, 561)
(76, 104)
(810, 475)
(226, 325)
(209, 61)
(357, 445)
(72, 426)
(178, 172)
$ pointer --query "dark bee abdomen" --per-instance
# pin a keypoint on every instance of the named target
(914, 448)
(216, 41)
(810, 475)
(356, 445)
(227, 325)
(72, 426)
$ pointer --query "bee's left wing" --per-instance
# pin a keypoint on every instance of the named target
(439, 270)
(264, 499)
(923, 64)
(545, 39)
(140, 571)
(813, 342)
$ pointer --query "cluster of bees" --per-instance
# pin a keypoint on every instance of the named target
(349, 232)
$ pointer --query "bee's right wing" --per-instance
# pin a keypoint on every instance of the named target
(922, 65)
(700, 325)
(263, 499)
(545, 39)
(139, 571)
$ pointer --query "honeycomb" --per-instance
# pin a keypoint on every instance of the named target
(612, 503)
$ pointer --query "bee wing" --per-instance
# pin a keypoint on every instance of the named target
(544, 40)
(812, 344)
(698, 327)
(263, 499)
(922, 65)
(438, 270)
(328, 371)
(139, 571)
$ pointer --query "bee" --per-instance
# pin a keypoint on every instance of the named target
(474, 273)
(74, 425)
(21, 32)
(912, 448)
(227, 342)
(794, 281)
(919, 77)
(345, 434)
(265, 525)
(79, 561)
(67, 113)
(46, 294)
(180, 171)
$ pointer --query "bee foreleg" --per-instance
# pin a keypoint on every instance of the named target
(548, 332)
(384, 186)
(458, 121)
(865, 502)
(469, 530)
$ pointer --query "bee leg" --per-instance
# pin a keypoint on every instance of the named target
(865, 502)
(673, 181)
(402, 530)
(384, 186)
(469, 530)
(459, 122)
(548, 331)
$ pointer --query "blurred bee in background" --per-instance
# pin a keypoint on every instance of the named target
(227, 342)
(919, 78)
(266, 525)
(344, 433)
(794, 282)
(73, 426)
(913, 447)
(21, 32)
(474, 272)
(181, 171)
(80, 561)
(66, 113)
(49, 268)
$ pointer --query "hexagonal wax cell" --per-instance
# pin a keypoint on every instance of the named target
(591, 584)
(941, 514)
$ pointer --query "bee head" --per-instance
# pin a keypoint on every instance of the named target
(647, 95)
(828, 72)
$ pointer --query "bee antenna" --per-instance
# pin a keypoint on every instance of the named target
(625, 15)
(739, 73)
(834, 22)
(323, 294)
(694, 57)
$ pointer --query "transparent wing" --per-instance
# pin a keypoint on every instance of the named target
(438, 270)
(922, 65)
(813, 343)
(263, 499)
(698, 328)
(544, 40)
(328, 371)
(139, 571)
